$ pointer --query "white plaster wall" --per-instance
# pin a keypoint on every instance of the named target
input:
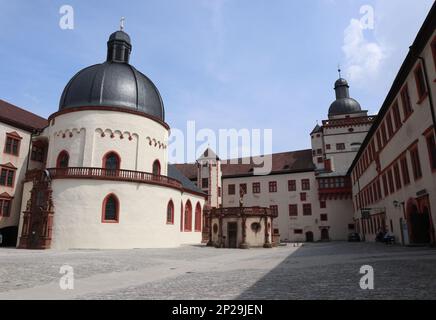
(142, 216)
(80, 133)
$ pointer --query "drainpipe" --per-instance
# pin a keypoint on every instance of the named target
(430, 98)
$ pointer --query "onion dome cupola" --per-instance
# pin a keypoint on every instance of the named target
(114, 83)
(343, 104)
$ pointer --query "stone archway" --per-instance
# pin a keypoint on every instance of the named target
(325, 234)
(418, 223)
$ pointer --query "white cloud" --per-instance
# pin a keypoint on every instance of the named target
(363, 57)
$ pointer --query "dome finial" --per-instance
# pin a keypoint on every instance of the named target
(339, 71)
(122, 23)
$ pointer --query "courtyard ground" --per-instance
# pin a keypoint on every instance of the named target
(312, 271)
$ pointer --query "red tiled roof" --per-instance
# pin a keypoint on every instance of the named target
(284, 162)
(20, 118)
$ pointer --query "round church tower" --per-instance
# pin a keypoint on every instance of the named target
(107, 182)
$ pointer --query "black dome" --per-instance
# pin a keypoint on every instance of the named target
(343, 103)
(114, 83)
(344, 106)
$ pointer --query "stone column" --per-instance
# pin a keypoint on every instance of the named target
(243, 244)
(267, 243)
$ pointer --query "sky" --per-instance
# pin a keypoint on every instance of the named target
(242, 64)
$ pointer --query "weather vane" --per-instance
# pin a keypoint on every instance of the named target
(122, 23)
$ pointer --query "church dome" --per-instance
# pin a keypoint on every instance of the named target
(343, 104)
(114, 83)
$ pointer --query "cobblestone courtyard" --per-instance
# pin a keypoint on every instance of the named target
(313, 271)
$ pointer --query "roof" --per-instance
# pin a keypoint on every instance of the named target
(284, 162)
(423, 36)
(20, 118)
(187, 184)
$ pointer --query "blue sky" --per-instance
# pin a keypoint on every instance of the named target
(223, 63)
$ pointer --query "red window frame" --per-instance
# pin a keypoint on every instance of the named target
(188, 216)
(307, 209)
(396, 115)
(323, 204)
(7, 176)
(197, 223)
(59, 159)
(416, 163)
(328, 146)
(303, 196)
(272, 186)
(389, 125)
(431, 148)
(12, 141)
(5, 212)
(405, 100)
(293, 210)
(391, 181)
(292, 185)
(117, 209)
(156, 169)
(420, 83)
(305, 184)
(397, 176)
(405, 170)
(256, 187)
(170, 212)
(106, 156)
(231, 189)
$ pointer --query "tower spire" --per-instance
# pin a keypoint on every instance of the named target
(122, 23)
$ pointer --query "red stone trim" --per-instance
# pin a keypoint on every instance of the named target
(105, 158)
(188, 217)
(117, 211)
(109, 108)
(170, 203)
(198, 222)
(58, 159)
(14, 136)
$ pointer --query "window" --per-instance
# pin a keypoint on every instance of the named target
(307, 209)
(305, 184)
(319, 160)
(198, 217)
(188, 216)
(322, 204)
(298, 231)
(303, 196)
(397, 176)
(37, 153)
(391, 181)
(256, 187)
(156, 167)
(420, 83)
(405, 99)
(318, 151)
(378, 137)
(63, 159)
(110, 209)
(340, 146)
(416, 165)
(293, 210)
(396, 115)
(433, 50)
(243, 188)
(405, 170)
(274, 210)
(7, 176)
(431, 146)
(383, 133)
(292, 186)
(389, 125)
(231, 189)
(273, 186)
(385, 185)
(111, 161)
(12, 145)
(5, 207)
(328, 146)
(170, 212)
(323, 217)
(205, 182)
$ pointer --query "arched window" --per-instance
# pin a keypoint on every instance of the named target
(188, 216)
(63, 159)
(111, 208)
(181, 216)
(111, 161)
(170, 212)
(198, 217)
(156, 167)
